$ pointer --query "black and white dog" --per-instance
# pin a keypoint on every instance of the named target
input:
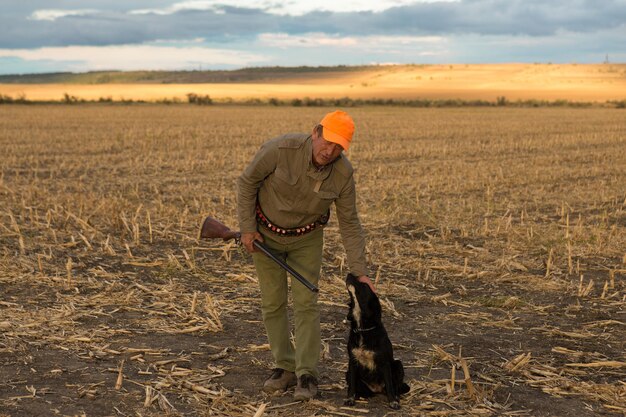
(371, 369)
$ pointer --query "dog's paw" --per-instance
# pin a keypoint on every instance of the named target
(349, 402)
(395, 405)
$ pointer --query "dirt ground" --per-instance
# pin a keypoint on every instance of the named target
(496, 238)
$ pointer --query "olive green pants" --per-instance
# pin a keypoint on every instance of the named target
(305, 256)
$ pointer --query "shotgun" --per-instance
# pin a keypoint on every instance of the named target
(212, 229)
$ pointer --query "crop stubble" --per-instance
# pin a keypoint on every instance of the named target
(496, 237)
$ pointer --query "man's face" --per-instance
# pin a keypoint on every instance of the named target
(324, 152)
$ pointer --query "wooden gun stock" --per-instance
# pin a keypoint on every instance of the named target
(212, 229)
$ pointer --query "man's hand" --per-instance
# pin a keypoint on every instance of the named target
(364, 279)
(247, 240)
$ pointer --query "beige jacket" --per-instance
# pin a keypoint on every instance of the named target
(292, 192)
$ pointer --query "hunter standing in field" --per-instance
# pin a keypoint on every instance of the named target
(284, 199)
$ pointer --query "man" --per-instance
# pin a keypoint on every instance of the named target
(284, 199)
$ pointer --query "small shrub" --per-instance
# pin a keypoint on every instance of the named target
(619, 104)
(68, 99)
(193, 98)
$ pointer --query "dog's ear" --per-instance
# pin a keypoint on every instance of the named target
(373, 303)
(374, 306)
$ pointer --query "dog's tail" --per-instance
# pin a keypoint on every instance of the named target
(404, 388)
(399, 372)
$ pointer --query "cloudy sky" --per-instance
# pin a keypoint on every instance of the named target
(72, 35)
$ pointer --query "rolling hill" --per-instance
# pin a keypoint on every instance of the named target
(571, 82)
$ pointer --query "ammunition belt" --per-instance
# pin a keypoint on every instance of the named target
(295, 231)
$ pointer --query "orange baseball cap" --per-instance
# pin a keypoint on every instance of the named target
(338, 128)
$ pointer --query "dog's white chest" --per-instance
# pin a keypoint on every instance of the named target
(356, 309)
(364, 357)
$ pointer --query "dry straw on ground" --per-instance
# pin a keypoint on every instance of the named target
(496, 237)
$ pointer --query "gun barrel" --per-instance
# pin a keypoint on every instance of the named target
(212, 229)
(259, 245)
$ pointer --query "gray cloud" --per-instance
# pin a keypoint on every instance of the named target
(113, 24)
(114, 28)
(486, 17)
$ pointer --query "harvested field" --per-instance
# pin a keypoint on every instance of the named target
(568, 82)
(496, 238)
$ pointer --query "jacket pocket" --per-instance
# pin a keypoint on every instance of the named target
(282, 175)
(322, 201)
(283, 189)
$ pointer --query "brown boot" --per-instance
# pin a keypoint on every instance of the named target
(306, 389)
(279, 381)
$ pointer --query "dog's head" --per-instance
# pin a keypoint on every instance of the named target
(364, 304)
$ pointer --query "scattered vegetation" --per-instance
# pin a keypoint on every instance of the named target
(495, 238)
(20, 99)
(621, 104)
(198, 99)
(69, 99)
(193, 98)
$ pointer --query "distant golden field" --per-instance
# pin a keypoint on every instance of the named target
(572, 82)
(496, 237)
